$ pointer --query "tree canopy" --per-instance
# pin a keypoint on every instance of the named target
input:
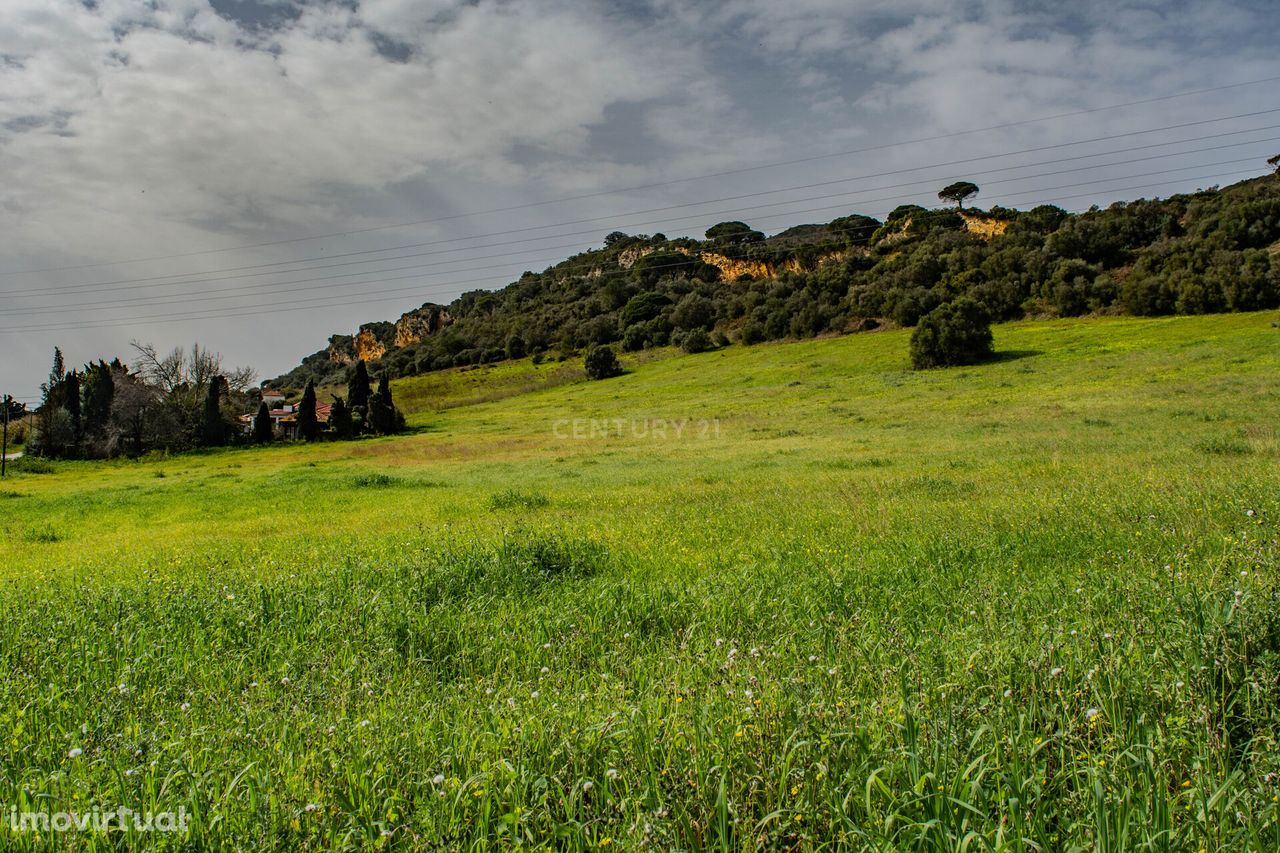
(958, 192)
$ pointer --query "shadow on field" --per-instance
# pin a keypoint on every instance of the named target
(1014, 354)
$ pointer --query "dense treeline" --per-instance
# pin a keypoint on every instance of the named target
(186, 400)
(1196, 253)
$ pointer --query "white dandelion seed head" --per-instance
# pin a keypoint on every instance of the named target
(1091, 713)
(75, 752)
(1055, 672)
(587, 785)
(186, 706)
(364, 724)
(545, 670)
(611, 773)
(437, 779)
(1008, 692)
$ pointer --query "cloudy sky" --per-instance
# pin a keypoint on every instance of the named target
(258, 174)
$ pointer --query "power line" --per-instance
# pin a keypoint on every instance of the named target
(290, 305)
(655, 185)
(275, 287)
(86, 287)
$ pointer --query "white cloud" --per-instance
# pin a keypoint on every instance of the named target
(179, 117)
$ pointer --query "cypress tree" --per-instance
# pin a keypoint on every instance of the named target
(99, 392)
(308, 425)
(383, 417)
(262, 424)
(213, 430)
(340, 419)
(358, 388)
(71, 393)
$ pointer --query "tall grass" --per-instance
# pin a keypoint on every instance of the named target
(1016, 610)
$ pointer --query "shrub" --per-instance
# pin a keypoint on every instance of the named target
(601, 362)
(635, 337)
(752, 333)
(696, 341)
(955, 333)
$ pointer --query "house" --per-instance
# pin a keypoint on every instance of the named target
(271, 397)
(284, 420)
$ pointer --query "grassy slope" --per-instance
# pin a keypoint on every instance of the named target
(876, 555)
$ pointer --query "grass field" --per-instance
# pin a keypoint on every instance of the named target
(793, 596)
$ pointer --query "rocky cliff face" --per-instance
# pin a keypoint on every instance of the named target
(983, 226)
(732, 268)
(421, 323)
(374, 340)
(369, 343)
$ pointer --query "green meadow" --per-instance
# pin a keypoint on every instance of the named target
(786, 597)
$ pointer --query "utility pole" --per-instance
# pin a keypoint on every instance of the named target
(4, 444)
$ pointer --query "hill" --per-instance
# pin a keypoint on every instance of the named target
(789, 596)
(1204, 252)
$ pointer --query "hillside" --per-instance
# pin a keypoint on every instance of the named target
(1192, 254)
(764, 597)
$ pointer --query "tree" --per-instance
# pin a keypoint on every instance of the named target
(71, 396)
(954, 333)
(213, 429)
(958, 192)
(99, 392)
(262, 431)
(601, 362)
(516, 347)
(734, 234)
(358, 388)
(384, 418)
(1274, 162)
(340, 423)
(308, 424)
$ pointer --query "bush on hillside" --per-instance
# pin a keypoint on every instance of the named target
(601, 362)
(955, 333)
(696, 341)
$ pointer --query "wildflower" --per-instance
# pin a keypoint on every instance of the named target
(534, 694)
(611, 773)
(122, 689)
(626, 636)
(719, 642)
(587, 786)
(1055, 672)
(285, 681)
(1008, 692)
(186, 706)
(437, 779)
(812, 658)
(831, 671)
(545, 670)
(310, 807)
(364, 724)
(1186, 783)
(1180, 685)
(75, 752)
(1249, 513)
(1091, 713)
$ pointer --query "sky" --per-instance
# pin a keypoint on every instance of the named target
(257, 175)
